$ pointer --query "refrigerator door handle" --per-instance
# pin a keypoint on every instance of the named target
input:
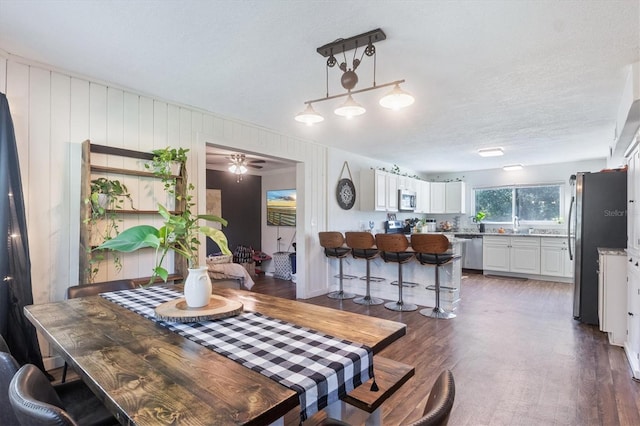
(573, 199)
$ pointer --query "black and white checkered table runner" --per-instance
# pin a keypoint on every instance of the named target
(320, 368)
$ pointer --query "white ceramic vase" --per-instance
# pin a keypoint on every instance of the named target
(197, 287)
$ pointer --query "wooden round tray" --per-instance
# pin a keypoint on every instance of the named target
(178, 311)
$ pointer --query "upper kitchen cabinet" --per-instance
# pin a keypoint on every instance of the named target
(454, 197)
(408, 183)
(437, 204)
(447, 197)
(378, 191)
(423, 196)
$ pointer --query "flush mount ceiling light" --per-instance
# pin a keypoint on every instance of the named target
(395, 99)
(490, 152)
(512, 167)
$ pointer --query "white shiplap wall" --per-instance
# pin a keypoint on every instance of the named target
(54, 111)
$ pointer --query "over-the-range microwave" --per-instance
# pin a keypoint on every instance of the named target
(406, 200)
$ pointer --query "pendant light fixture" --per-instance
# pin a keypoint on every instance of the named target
(395, 99)
(350, 109)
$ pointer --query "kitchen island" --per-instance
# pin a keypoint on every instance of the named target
(416, 278)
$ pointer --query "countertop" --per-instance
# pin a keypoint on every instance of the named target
(612, 251)
(494, 234)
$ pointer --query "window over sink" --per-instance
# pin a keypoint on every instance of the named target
(533, 204)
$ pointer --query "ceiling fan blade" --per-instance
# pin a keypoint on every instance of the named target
(255, 161)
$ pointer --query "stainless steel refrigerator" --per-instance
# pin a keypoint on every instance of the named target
(597, 218)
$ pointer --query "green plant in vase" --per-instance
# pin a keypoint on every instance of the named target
(179, 232)
(478, 218)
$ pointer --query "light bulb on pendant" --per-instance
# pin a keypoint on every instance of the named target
(396, 99)
(350, 109)
(233, 168)
(309, 116)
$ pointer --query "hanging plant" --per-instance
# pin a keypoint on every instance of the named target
(162, 162)
(107, 196)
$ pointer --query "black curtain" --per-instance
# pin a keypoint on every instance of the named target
(15, 266)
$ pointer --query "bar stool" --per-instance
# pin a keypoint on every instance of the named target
(362, 245)
(393, 249)
(333, 244)
(431, 249)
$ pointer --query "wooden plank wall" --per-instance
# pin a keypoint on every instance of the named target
(54, 112)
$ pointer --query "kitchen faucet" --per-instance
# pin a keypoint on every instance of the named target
(516, 224)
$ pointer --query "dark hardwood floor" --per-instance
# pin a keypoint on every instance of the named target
(517, 355)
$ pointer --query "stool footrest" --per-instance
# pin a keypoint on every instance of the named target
(345, 277)
(405, 283)
(373, 279)
(442, 287)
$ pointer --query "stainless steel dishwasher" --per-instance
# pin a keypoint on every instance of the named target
(472, 252)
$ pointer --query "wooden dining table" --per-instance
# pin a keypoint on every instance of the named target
(148, 375)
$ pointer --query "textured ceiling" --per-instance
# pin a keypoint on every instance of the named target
(542, 79)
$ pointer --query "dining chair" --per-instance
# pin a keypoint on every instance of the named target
(75, 396)
(36, 402)
(8, 368)
(440, 402)
(93, 289)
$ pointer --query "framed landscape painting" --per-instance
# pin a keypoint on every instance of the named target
(281, 207)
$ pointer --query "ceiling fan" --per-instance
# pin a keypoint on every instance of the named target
(239, 164)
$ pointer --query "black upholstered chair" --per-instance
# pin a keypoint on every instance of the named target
(86, 290)
(36, 402)
(333, 244)
(8, 368)
(363, 246)
(432, 250)
(393, 248)
(75, 396)
(440, 402)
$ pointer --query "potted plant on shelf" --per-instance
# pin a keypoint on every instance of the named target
(106, 197)
(179, 233)
(478, 218)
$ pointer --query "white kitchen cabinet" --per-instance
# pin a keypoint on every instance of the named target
(554, 257)
(632, 344)
(612, 294)
(378, 191)
(423, 196)
(511, 254)
(455, 197)
(495, 253)
(438, 197)
(633, 197)
(408, 183)
(525, 255)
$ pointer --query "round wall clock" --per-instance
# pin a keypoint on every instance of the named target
(346, 194)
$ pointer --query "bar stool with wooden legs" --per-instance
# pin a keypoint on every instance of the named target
(363, 246)
(431, 249)
(333, 244)
(393, 248)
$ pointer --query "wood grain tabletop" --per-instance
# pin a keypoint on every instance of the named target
(147, 375)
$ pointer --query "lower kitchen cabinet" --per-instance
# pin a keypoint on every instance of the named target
(554, 258)
(612, 294)
(632, 344)
(511, 254)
